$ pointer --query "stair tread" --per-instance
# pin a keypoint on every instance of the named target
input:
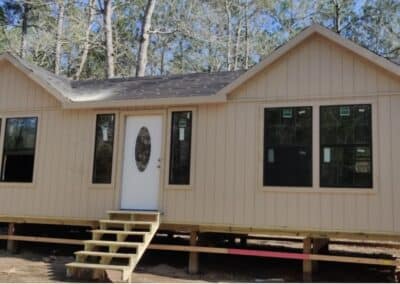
(98, 266)
(127, 222)
(132, 244)
(133, 212)
(119, 232)
(100, 253)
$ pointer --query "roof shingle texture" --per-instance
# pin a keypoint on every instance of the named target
(169, 86)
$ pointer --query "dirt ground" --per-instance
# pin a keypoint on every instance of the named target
(40, 263)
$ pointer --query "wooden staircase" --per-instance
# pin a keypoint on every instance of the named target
(117, 245)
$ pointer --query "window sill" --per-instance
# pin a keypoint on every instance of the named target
(178, 187)
(17, 185)
(319, 190)
(96, 186)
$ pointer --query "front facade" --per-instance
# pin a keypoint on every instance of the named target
(307, 140)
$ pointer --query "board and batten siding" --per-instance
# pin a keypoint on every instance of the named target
(227, 183)
(226, 187)
(64, 152)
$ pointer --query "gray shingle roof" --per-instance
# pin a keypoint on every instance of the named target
(168, 86)
(395, 60)
(118, 89)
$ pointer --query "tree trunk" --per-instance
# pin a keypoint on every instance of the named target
(107, 13)
(24, 29)
(246, 36)
(59, 37)
(181, 57)
(228, 31)
(86, 45)
(145, 38)
(237, 45)
(162, 59)
(337, 16)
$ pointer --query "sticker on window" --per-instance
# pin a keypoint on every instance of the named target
(344, 111)
(104, 131)
(362, 167)
(327, 155)
(181, 134)
(271, 156)
(287, 113)
(182, 123)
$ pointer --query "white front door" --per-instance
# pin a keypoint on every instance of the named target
(141, 165)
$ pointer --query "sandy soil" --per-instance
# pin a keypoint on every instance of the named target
(44, 264)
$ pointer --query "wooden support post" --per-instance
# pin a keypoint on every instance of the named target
(11, 244)
(193, 256)
(307, 264)
(319, 246)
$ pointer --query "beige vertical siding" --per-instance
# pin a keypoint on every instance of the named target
(64, 155)
(226, 186)
(18, 92)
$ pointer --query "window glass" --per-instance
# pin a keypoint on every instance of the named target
(181, 140)
(19, 149)
(288, 146)
(104, 143)
(346, 148)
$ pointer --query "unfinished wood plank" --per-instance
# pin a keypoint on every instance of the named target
(48, 220)
(11, 244)
(193, 256)
(42, 240)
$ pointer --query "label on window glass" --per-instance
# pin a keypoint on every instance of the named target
(344, 111)
(287, 113)
(271, 156)
(327, 155)
(182, 123)
(181, 134)
(105, 133)
(362, 167)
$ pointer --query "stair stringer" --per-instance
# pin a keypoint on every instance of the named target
(105, 258)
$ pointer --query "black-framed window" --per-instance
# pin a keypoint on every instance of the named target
(180, 151)
(346, 146)
(288, 146)
(104, 149)
(19, 149)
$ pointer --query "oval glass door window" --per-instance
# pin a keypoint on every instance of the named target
(142, 149)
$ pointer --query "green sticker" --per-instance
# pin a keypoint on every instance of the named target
(182, 123)
(344, 111)
(287, 113)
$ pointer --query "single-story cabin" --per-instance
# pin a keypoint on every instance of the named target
(306, 140)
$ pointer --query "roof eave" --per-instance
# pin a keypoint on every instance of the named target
(220, 98)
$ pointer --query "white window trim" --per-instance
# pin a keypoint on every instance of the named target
(316, 188)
